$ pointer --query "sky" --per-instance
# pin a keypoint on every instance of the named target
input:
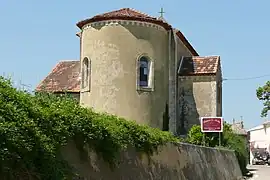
(35, 35)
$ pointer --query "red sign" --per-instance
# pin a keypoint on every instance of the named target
(212, 124)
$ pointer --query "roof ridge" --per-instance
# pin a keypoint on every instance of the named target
(140, 12)
(132, 14)
(126, 11)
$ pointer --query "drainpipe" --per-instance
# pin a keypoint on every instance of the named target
(80, 36)
(172, 86)
(171, 120)
(176, 79)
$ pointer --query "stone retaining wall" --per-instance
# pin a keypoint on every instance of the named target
(173, 162)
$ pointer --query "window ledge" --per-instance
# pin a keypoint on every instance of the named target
(147, 89)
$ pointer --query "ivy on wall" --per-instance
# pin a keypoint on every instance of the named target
(34, 127)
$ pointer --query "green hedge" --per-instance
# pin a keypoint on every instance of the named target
(33, 128)
(229, 140)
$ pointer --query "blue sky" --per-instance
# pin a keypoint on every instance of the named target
(35, 35)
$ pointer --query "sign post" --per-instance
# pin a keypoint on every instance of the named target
(212, 124)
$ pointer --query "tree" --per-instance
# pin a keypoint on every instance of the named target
(263, 94)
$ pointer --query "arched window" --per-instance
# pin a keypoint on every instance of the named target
(144, 64)
(145, 74)
(85, 73)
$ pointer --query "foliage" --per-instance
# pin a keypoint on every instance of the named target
(34, 127)
(229, 140)
(239, 145)
(195, 136)
(263, 94)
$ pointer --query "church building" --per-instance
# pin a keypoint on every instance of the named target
(139, 67)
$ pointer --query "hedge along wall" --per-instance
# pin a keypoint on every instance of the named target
(35, 130)
(173, 162)
(35, 126)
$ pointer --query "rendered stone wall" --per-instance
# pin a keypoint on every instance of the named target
(196, 98)
(113, 50)
(178, 50)
(173, 162)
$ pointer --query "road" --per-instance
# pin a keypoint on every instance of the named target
(260, 172)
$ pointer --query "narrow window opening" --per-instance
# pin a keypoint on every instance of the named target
(144, 72)
(85, 73)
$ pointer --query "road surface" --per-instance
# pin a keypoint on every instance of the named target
(260, 172)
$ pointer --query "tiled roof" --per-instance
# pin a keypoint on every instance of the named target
(124, 14)
(132, 14)
(196, 65)
(129, 12)
(64, 77)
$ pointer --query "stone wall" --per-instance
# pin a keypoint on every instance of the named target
(173, 162)
(197, 97)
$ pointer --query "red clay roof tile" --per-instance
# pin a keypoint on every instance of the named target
(64, 77)
(132, 14)
(123, 14)
(196, 65)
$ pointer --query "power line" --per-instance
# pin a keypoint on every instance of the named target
(243, 79)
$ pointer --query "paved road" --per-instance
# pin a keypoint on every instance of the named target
(261, 172)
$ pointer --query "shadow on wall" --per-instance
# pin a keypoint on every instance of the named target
(173, 162)
(166, 118)
(187, 108)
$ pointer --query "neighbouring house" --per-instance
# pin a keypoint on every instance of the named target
(139, 67)
(259, 138)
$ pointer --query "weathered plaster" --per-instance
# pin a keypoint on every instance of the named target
(172, 162)
(113, 50)
(181, 51)
(197, 98)
(114, 47)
